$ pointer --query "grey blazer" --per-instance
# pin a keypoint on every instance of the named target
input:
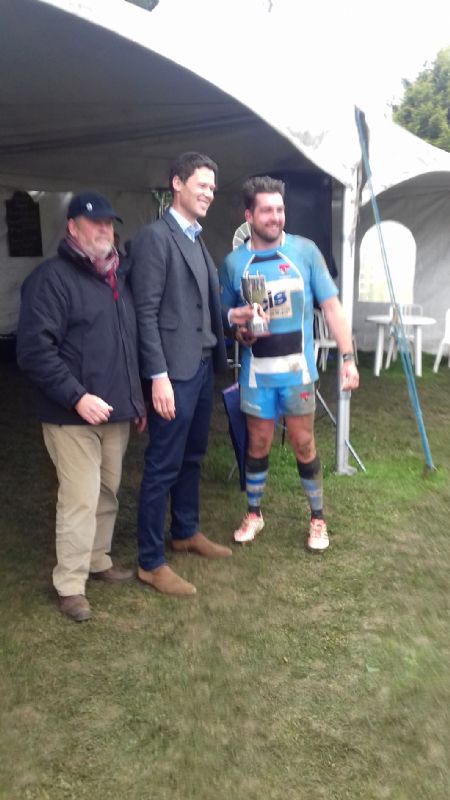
(168, 302)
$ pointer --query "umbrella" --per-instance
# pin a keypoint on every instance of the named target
(237, 427)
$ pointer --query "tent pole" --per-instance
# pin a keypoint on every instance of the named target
(346, 293)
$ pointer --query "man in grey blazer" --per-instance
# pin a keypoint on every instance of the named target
(176, 293)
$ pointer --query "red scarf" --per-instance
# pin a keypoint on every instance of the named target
(105, 267)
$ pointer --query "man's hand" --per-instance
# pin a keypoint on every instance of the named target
(242, 336)
(140, 424)
(163, 398)
(349, 376)
(241, 315)
(93, 409)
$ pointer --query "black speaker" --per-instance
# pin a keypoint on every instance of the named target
(308, 209)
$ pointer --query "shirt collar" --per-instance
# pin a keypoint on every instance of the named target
(191, 230)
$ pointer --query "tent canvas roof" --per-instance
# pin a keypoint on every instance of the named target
(95, 94)
(84, 104)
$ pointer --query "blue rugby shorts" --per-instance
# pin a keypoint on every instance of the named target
(285, 401)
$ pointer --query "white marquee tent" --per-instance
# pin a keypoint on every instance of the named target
(103, 96)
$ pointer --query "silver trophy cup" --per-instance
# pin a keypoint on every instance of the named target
(254, 292)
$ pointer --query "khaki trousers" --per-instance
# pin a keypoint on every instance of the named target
(88, 462)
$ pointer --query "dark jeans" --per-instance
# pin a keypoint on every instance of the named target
(172, 464)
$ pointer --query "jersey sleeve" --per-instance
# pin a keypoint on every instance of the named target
(229, 297)
(322, 284)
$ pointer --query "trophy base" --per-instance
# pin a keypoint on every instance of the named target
(259, 332)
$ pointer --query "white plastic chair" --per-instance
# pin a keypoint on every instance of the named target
(445, 342)
(406, 310)
(323, 341)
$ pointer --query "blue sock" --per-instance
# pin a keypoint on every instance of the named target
(256, 470)
(312, 482)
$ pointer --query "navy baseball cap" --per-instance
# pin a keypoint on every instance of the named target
(92, 206)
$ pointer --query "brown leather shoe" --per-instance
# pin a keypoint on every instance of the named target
(199, 544)
(75, 606)
(112, 575)
(166, 581)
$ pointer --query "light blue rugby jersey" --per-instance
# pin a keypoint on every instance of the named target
(295, 274)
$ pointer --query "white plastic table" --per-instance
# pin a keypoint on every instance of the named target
(416, 321)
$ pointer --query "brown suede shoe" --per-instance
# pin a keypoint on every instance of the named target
(112, 575)
(199, 544)
(166, 581)
(75, 606)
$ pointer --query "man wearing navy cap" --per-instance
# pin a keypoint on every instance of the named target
(77, 343)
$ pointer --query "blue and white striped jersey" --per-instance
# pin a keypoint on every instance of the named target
(295, 273)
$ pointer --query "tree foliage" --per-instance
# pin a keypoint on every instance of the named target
(425, 107)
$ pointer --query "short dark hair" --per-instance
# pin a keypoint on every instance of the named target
(185, 165)
(260, 184)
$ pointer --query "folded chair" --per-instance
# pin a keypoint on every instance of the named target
(323, 342)
(445, 342)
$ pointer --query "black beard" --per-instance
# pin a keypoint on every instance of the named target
(265, 237)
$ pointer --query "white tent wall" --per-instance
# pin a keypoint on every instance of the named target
(135, 210)
(13, 270)
(423, 206)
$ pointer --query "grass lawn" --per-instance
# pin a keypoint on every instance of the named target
(288, 676)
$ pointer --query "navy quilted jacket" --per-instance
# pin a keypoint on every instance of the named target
(73, 338)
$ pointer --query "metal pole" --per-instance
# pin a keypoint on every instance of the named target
(346, 442)
(346, 293)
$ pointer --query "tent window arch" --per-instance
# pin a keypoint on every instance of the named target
(400, 249)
